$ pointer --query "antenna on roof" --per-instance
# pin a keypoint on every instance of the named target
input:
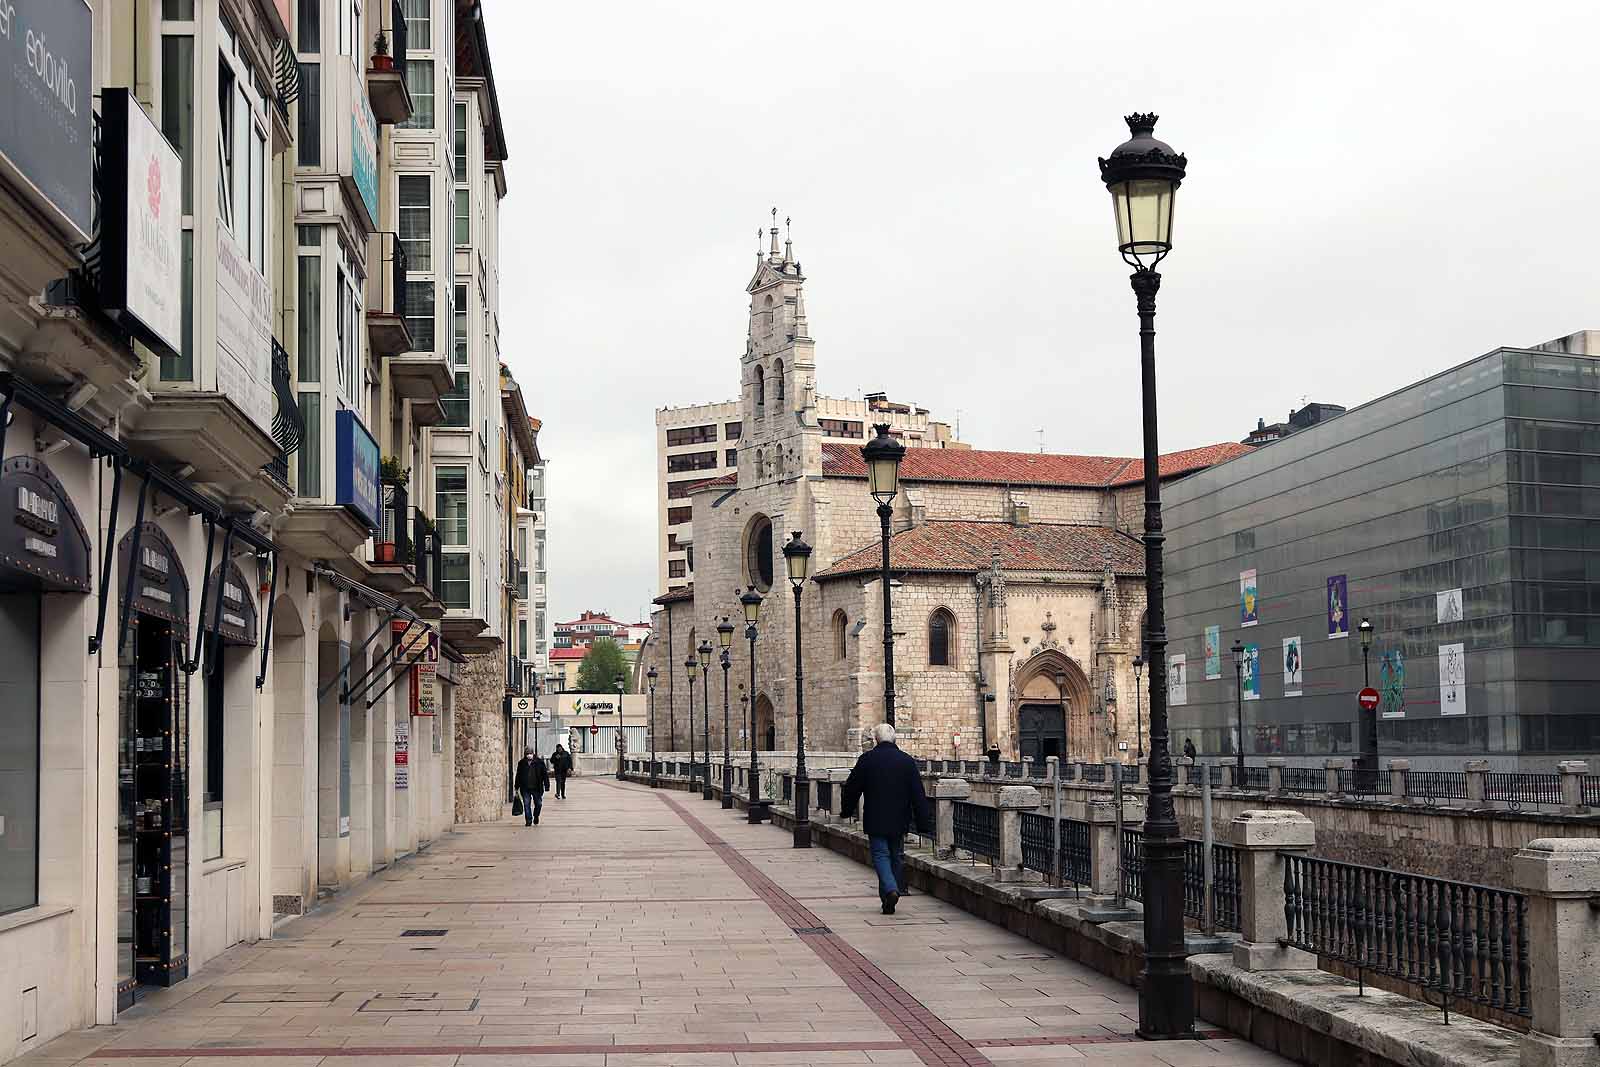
(1041, 440)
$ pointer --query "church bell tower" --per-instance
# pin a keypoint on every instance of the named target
(778, 370)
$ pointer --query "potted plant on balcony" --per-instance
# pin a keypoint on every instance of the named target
(392, 476)
(381, 59)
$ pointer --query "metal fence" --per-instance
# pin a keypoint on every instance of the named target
(1519, 788)
(1454, 940)
(1038, 842)
(1037, 846)
(1094, 772)
(824, 787)
(1359, 782)
(977, 829)
(1430, 786)
(1132, 864)
(1305, 780)
(1256, 779)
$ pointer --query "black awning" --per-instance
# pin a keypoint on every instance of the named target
(157, 583)
(236, 622)
(43, 543)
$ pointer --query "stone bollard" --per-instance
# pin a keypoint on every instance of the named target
(1477, 781)
(1572, 772)
(1105, 853)
(946, 791)
(1274, 775)
(1561, 876)
(1333, 767)
(1144, 771)
(1259, 836)
(1228, 775)
(1182, 773)
(1397, 780)
(1012, 801)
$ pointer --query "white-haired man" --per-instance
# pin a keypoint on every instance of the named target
(896, 801)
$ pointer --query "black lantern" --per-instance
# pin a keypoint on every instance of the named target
(650, 676)
(725, 639)
(883, 455)
(692, 667)
(725, 633)
(704, 652)
(1143, 175)
(797, 554)
(751, 600)
(1366, 631)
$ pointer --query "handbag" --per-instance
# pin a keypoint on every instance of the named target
(516, 804)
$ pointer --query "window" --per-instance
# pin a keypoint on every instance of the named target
(19, 751)
(522, 638)
(450, 505)
(310, 472)
(691, 435)
(461, 143)
(419, 315)
(731, 457)
(457, 402)
(309, 26)
(941, 638)
(419, 79)
(758, 553)
(680, 490)
(419, 24)
(177, 106)
(227, 123)
(672, 542)
(416, 221)
(841, 428)
(310, 318)
(679, 516)
(308, 123)
(761, 389)
(463, 207)
(348, 321)
(777, 379)
(675, 568)
(841, 626)
(732, 430)
(692, 461)
(258, 198)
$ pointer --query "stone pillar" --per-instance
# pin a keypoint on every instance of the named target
(1561, 876)
(1572, 772)
(1012, 801)
(1477, 780)
(1397, 780)
(1333, 767)
(946, 791)
(1181, 772)
(1274, 775)
(1228, 770)
(1260, 836)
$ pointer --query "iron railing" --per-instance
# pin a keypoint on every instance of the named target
(1591, 790)
(1226, 893)
(399, 35)
(429, 552)
(977, 829)
(1454, 940)
(1075, 853)
(824, 791)
(1094, 772)
(1519, 788)
(1305, 780)
(394, 524)
(1436, 785)
(1362, 783)
(1014, 769)
(288, 423)
(1132, 867)
(1038, 843)
(1255, 779)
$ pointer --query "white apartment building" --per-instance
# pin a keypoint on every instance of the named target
(701, 441)
(536, 605)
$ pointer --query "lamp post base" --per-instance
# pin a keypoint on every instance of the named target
(727, 793)
(802, 813)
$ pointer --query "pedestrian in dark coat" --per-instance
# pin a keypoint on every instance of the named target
(533, 778)
(561, 762)
(896, 801)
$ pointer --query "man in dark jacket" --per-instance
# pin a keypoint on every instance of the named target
(561, 762)
(533, 778)
(889, 780)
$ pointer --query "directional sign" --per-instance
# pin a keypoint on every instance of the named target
(1368, 699)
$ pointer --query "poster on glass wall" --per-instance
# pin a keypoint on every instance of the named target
(1178, 679)
(1392, 684)
(1291, 666)
(1450, 605)
(1453, 679)
(1252, 672)
(1338, 606)
(1213, 652)
(1247, 597)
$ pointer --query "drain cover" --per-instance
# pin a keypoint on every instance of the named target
(423, 933)
(804, 930)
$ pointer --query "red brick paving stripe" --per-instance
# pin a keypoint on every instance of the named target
(927, 1035)
(502, 1050)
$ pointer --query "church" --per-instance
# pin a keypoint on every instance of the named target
(1017, 579)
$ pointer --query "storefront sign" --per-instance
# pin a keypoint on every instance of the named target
(46, 116)
(402, 753)
(357, 462)
(43, 543)
(525, 708)
(160, 587)
(427, 683)
(141, 271)
(358, 149)
(588, 705)
(415, 641)
(244, 332)
(238, 606)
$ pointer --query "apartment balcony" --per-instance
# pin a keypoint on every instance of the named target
(288, 423)
(386, 77)
(387, 329)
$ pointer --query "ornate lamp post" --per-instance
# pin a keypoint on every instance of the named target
(751, 602)
(704, 652)
(1142, 175)
(797, 554)
(1138, 704)
(621, 740)
(725, 639)
(652, 676)
(883, 455)
(1369, 719)
(1238, 710)
(691, 667)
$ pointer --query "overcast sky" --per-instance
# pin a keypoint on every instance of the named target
(1376, 191)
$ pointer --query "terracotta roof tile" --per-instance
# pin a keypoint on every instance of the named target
(674, 596)
(968, 547)
(1185, 462)
(1024, 468)
(714, 483)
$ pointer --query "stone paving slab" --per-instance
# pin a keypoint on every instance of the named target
(633, 928)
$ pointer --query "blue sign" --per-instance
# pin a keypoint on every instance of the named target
(47, 104)
(356, 455)
(364, 151)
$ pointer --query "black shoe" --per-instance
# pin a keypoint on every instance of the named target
(889, 901)
(536, 820)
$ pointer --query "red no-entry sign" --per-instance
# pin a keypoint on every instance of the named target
(1368, 699)
(596, 729)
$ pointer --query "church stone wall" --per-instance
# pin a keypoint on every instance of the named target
(482, 771)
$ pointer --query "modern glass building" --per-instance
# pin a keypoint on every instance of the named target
(1461, 516)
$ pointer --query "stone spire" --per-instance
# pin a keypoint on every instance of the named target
(774, 233)
(788, 244)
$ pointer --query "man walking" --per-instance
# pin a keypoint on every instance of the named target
(889, 780)
(533, 778)
(561, 762)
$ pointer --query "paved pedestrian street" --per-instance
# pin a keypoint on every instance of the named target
(633, 928)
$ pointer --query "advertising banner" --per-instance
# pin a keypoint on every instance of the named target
(1247, 598)
(357, 459)
(1392, 684)
(1178, 679)
(1291, 667)
(47, 109)
(1213, 653)
(244, 332)
(1252, 672)
(402, 752)
(1453, 679)
(1450, 605)
(1338, 606)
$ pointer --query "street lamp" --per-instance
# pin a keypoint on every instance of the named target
(883, 455)
(704, 652)
(797, 554)
(1061, 695)
(751, 602)
(1369, 720)
(1138, 704)
(1238, 709)
(692, 667)
(622, 742)
(1142, 174)
(725, 639)
(652, 676)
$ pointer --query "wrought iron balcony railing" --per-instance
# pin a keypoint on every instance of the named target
(288, 422)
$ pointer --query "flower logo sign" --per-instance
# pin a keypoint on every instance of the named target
(153, 186)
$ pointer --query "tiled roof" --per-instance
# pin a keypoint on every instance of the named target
(1024, 468)
(713, 483)
(675, 596)
(968, 547)
(568, 653)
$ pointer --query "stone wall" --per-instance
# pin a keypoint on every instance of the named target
(482, 771)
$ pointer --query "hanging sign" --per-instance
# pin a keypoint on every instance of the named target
(42, 538)
(402, 753)
(160, 588)
(238, 624)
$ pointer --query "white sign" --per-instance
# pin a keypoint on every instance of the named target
(525, 708)
(1178, 679)
(1453, 679)
(244, 332)
(1451, 606)
(155, 231)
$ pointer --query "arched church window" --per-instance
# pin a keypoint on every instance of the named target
(841, 623)
(761, 387)
(777, 379)
(758, 553)
(941, 638)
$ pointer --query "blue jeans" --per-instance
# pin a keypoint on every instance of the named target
(888, 857)
(531, 803)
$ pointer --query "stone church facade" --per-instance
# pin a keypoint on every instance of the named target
(1018, 586)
